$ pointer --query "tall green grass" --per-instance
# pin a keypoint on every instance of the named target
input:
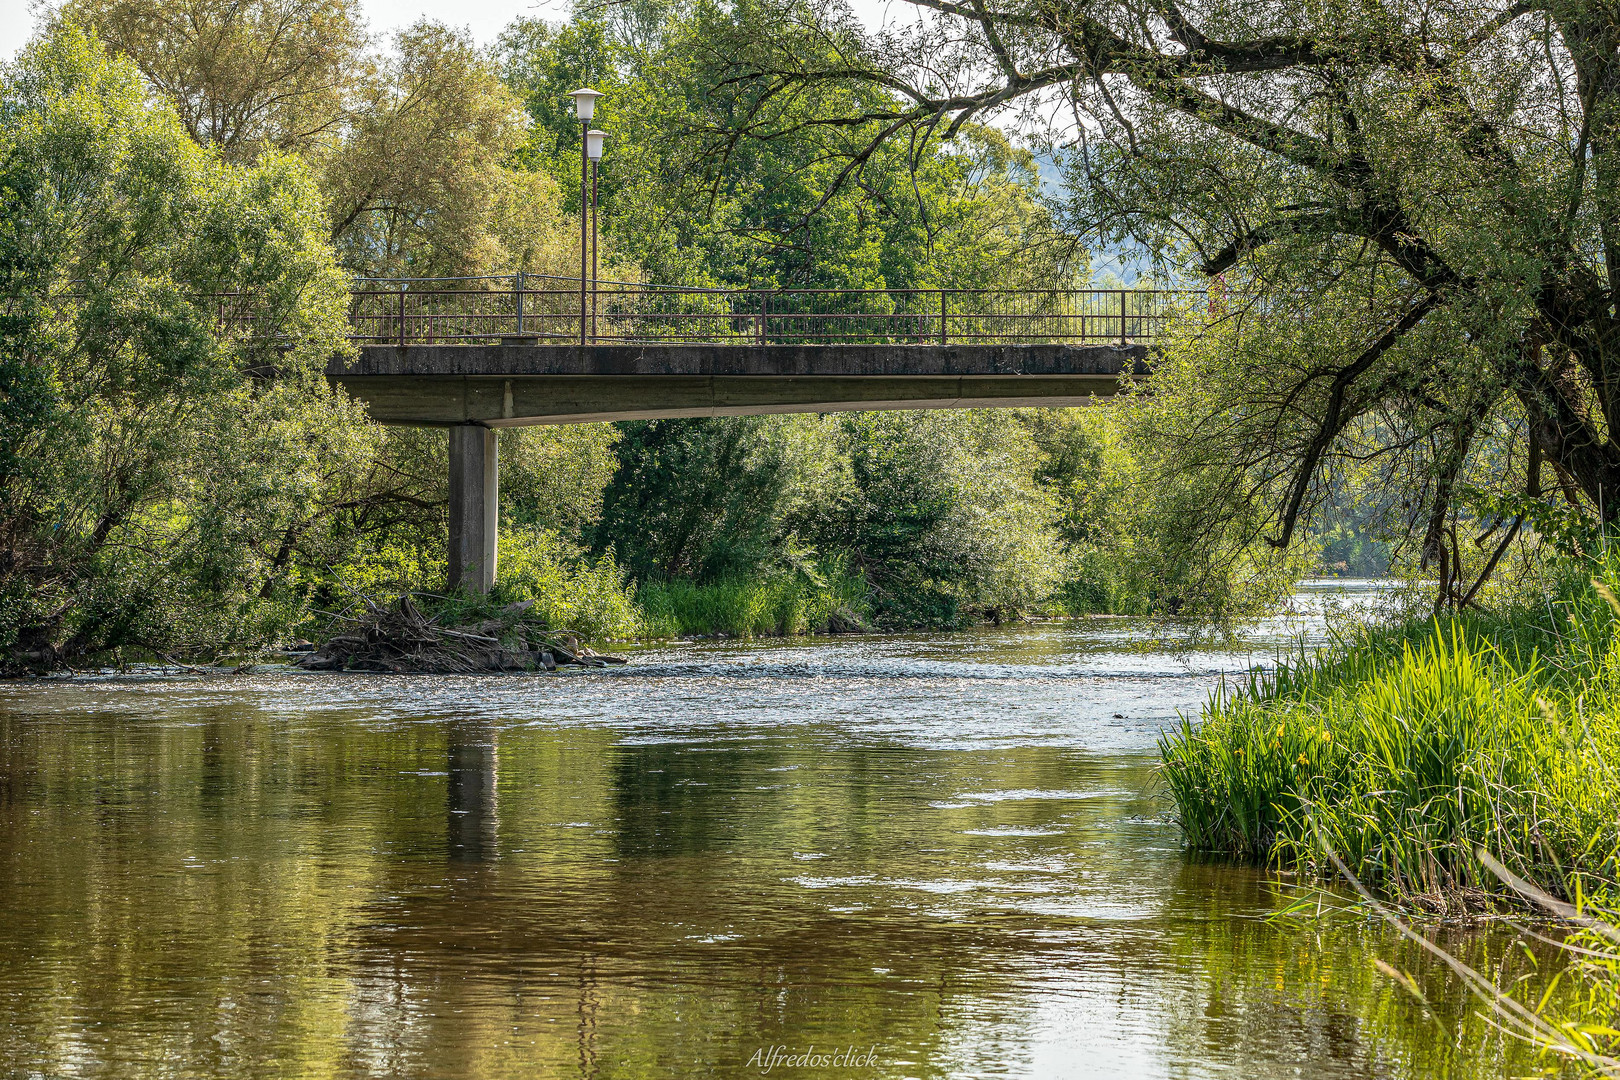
(1406, 748)
(788, 603)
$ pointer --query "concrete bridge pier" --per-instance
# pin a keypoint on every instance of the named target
(474, 506)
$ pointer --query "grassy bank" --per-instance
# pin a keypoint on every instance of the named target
(1406, 748)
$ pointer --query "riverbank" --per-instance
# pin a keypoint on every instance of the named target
(597, 599)
(1407, 748)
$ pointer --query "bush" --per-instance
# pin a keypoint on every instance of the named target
(592, 597)
(571, 590)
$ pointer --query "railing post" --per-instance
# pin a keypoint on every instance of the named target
(402, 314)
(759, 327)
(519, 280)
(942, 316)
(1122, 318)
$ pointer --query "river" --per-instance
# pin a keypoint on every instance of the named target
(920, 856)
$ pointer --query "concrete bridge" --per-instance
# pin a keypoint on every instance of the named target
(476, 360)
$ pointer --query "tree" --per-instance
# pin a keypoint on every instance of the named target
(417, 180)
(246, 76)
(410, 149)
(165, 319)
(1409, 214)
(694, 498)
(695, 205)
(947, 516)
(411, 145)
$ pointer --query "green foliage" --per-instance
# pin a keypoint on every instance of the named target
(1090, 470)
(572, 591)
(145, 472)
(591, 597)
(555, 477)
(412, 143)
(416, 178)
(819, 601)
(941, 512)
(1410, 746)
(1134, 521)
(247, 77)
(947, 516)
(693, 497)
(693, 205)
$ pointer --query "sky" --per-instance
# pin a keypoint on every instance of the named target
(485, 18)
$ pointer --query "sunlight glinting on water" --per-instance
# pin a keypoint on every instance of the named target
(947, 850)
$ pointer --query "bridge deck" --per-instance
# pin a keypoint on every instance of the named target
(517, 382)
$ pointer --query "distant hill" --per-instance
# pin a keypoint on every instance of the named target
(1109, 267)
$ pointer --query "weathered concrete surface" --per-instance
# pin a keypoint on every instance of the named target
(474, 507)
(517, 383)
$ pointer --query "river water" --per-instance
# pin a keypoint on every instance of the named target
(947, 854)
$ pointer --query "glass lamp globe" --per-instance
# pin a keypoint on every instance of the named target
(584, 102)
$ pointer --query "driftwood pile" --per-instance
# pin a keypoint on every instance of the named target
(397, 638)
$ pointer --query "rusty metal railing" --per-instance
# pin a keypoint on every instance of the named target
(547, 310)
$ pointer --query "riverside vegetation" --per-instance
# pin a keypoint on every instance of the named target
(1451, 764)
(1405, 224)
(162, 494)
(1411, 745)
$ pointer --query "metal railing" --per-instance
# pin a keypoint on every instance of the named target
(422, 311)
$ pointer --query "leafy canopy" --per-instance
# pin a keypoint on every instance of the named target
(1407, 213)
(145, 462)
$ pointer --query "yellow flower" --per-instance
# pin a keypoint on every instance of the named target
(1327, 736)
(1302, 760)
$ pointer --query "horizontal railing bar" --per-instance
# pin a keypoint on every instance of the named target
(424, 310)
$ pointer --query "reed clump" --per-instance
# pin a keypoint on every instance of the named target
(834, 601)
(1405, 749)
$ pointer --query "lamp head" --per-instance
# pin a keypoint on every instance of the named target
(593, 144)
(584, 102)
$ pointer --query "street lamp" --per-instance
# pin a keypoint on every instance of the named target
(593, 151)
(584, 109)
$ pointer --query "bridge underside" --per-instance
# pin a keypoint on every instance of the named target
(571, 399)
(473, 388)
(511, 385)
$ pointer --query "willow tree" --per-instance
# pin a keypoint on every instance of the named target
(165, 319)
(1408, 212)
(245, 78)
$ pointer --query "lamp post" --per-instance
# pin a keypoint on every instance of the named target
(593, 151)
(584, 109)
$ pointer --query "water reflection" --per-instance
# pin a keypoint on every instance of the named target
(471, 763)
(948, 851)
